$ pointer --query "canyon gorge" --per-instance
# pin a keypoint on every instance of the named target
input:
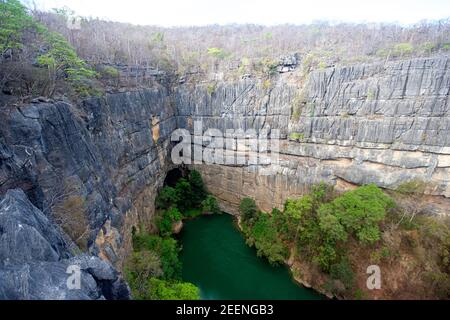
(386, 123)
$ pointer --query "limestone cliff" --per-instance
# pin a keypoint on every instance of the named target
(383, 123)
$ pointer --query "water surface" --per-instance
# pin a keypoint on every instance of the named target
(217, 260)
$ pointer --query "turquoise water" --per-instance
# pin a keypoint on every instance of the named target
(217, 260)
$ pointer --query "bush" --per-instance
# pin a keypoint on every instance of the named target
(360, 211)
(210, 205)
(166, 198)
(198, 192)
(185, 194)
(247, 209)
(165, 223)
(296, 136)
(343, 272)
(166, 248)
(414, 186)
(14, 19)
(266, 240)
(166, 290)
(402, 49)
(217, 53)
(139, 268)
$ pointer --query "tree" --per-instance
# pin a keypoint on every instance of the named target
(248, 209)
(167, 197)
(14, 19)
(360, 211)
(169, 217)
(164, 290)
(264, 236)
(197, 188)
(62, 62)
(210, 205)
(185, 194)
(297, 212)
(139, 267)
(330, 226)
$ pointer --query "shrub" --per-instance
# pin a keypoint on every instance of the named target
(402, 49)
(167, 197)
(296, 136)
(266, 240)
(210, 205)
(343, 272)
(247, 209)
(217, 53)
(414, 186)
(185, 194)
(165, 223)
(166, 248)
(166, 290)
(360, 211)
(198, 191)
(211, 88)
(139, 267)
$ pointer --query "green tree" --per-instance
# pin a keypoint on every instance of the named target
(248, 209)
(167, 197)
(14, 19)
(166, 248)
(297, 212)
(198, 191)
(210, 205)
(169, 217)
(217, 53)
(360, 211)
(185, 194)
(139, 267)
(165, 290)
(343, 272)
(62, 62)
(264, 236)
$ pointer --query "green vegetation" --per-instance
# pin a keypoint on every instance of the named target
(217, 53)
(415, 186)
(14, 19)
(210, 205)
(297, 136)
(165, 223)
(265, 238)
(318, 225)
(62, 62)
(337, 231)
(211, 88)
(55, 54)
(403, 49)
(248, 209)
(154, 271)
(187, 199)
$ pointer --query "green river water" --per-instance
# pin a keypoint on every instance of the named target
(216, 259)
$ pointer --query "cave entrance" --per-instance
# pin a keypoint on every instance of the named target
(174, 175)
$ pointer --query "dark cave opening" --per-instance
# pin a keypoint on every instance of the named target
(174, 175)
